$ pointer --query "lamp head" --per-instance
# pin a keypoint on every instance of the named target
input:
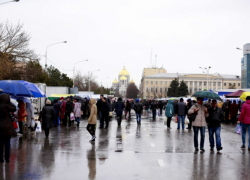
(64, 41)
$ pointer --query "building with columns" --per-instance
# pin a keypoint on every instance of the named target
(122, 83)
(156, 85)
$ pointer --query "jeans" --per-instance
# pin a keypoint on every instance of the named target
(169, 121)
(138, 117)
(78, 119)
(5, 141)
(196, 132)
(211, 132)
(154, 113)
(244, 131)
(56, 120)
(183, 121)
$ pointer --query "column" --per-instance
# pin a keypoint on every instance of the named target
(188, 87)
(221, 85)
(216, 84)
(193, 87)
(202, 83)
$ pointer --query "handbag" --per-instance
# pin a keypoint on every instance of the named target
(72, 117)
(81, 113)
(15, 125)
(176, 119)
(192, 117)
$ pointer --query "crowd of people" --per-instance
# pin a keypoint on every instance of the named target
(201, 115)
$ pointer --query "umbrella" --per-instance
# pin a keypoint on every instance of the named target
(1, 90)
(235, 94)
(14, 88)
(244, 95)
(78, 98)
(207, 94)
(33, 89)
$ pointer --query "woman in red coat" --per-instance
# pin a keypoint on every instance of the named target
(63, 106)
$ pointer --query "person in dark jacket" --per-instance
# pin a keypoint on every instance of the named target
(69, 109)
(56, 109)
(189, 105)
(138, 110)
(99, 106)
(181, 112)
(83, 108)
(128, 108)
(6, 126)
(233, 112)
(47, 115)
(160, 106)
(119, 106)
(153, 108)
(105, 113)
(213, 121)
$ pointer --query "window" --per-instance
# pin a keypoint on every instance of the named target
(151, 82)
(205, 83)
(214, 84)
(151, 89)
(190, 83)
(234, 84)
(161, 90)
(156, 89)
(225, 84)
(166, 90)
(200, 83)
(195, 83)
(161, 82)
(146, 89)
(146, 82)
(156, 82)
(238, 84)
(218, 84)
(166, 83)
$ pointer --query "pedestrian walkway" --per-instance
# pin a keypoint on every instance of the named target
(149, 151)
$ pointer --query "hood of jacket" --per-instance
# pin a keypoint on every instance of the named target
(170, 102)
(247, 101)
(92, 101)
(5, 98)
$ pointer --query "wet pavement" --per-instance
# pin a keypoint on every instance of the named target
(129, 152)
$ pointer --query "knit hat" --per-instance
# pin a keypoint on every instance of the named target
(137, 100)
(248, 98)
(48, 101)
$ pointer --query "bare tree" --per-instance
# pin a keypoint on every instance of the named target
(132, 91)
(79, 81)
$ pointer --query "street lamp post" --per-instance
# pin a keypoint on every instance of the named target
(74, 71)
(207, 71)
(46, 52)
(9, 2)
(89, 77)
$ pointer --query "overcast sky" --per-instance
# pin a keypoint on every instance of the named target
(110, 34)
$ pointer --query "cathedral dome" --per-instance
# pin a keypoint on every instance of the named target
(123, 78)
(124, 72)
(115, 81)
(132, 81)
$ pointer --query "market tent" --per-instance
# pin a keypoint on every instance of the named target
(57, 96)
(235, 94)
(244, 95)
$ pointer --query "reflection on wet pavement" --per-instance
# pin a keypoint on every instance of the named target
(149, 151)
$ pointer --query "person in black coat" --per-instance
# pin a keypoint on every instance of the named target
(153, 108)
(160, 106)
(6, 126)
(69, 109)
(56, 109)
(105, 113)
(99, 106)
(47, 115)
(128, 108)
(119, 106)
(138, 110)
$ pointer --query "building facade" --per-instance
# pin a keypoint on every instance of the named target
(156, 85)
(245, 67)
(122, 83)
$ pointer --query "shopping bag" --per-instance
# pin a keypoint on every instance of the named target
(17, 129)
(186, 120)
(38, 127)
(165, 121)
(159, 114)
(176, 119)
(72, 117)
(15, 125)
(238, 129)
(33, 123)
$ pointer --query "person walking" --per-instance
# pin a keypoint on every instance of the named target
(244, 119)
(199, 123)
(105, 113)
(91, 127)
(160, 106)
(153, 108)
(239, 106)
(169, 112)
(69, 109)
(138, 110)
(6, 126)
(63, 109)
(181, 112)
(233, 111)
(214, 125)
(47, 115)
(22, 113)
(99, 106)
(227, 111)
(56, 110)
(128, 108)
(77, 112)
(30, 116)
(119, 106)
(189, 105)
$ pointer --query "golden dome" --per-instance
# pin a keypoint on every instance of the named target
(115, 81)
(123, 78)
(124, 72)
(132, 81)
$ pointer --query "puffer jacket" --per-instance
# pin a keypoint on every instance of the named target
(169, 110)
(93, 112)
(181, 109)
(245, 113)
(119, 106)
(77, 109)
(200, 120)
(6, 125)
(47, 116)
(215, 117)
(138, 108)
